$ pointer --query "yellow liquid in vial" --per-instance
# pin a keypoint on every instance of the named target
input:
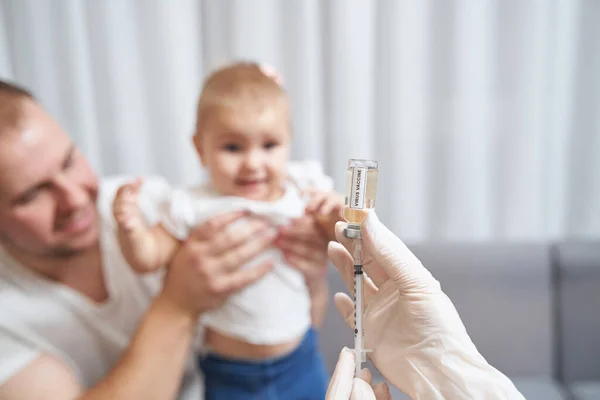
(353, 216)
(356, 216)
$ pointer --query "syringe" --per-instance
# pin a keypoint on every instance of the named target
(360, 196)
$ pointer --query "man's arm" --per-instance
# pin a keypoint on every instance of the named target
(151, 368)
(53, 380)
(200, 277)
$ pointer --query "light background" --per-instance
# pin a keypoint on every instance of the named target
(484, 115)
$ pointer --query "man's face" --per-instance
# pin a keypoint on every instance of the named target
(247, 155)
(47, 189)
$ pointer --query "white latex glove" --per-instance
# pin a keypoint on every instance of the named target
(419, 342)
(344, 386)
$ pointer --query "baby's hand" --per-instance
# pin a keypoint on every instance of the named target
(326, 207)
(125, 208)
(324, 203)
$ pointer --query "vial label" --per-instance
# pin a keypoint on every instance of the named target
(359, 186)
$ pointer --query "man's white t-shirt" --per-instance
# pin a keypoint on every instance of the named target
(38, 316)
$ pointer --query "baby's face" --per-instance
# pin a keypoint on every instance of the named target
(246, 155)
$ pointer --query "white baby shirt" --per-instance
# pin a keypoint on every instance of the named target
(275, 309)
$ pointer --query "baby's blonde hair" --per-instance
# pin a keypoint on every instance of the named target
(239, 88)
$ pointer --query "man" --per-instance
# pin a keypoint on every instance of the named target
(76, 322)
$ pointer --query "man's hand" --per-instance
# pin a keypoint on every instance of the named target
(206, 268)
(305, 248)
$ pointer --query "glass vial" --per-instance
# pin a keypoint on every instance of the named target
(361, 190)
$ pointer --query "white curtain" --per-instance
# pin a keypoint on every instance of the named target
(484, 115)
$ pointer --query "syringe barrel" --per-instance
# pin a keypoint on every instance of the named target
(358, 253)
(358, 318)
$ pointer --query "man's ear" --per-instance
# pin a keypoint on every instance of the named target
(199, 148)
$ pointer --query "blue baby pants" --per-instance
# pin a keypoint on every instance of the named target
(300, 375)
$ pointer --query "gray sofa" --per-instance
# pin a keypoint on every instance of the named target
(532, 309)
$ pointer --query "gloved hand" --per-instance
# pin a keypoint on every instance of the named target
(419, 342)
(343, 385)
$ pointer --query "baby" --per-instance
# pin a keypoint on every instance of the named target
(260, 343)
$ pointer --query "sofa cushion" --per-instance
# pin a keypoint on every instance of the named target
(540, 389)
(503, 295)
(395, 392)
(579, 302)
(585, 390)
